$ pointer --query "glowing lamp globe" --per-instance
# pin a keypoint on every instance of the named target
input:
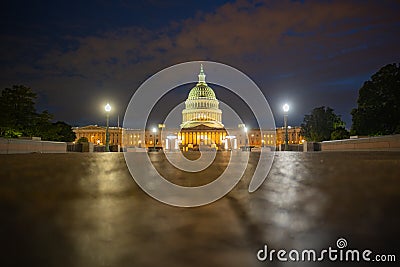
(107, 108)
(286, 108)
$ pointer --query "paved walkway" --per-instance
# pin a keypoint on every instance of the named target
(85, 210)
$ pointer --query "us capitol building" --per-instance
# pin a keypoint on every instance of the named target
(201, 118)
(201, 127)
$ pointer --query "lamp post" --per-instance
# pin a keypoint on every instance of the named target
(154, 135)
(246, 141)
(161, 127)
(108, 109)
(285, 118)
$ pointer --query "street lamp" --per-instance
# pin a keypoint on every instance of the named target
(154, 133)
(108, 109)
(285, 116)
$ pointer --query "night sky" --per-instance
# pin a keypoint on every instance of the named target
(79, 55)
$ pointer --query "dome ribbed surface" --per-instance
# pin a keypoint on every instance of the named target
(201, 91)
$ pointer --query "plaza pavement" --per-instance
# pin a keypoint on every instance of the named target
(84, 209)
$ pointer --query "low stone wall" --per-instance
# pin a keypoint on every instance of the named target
(389, 142)
(18, 146)
(291, 147)
(311, 146)
(82, 147)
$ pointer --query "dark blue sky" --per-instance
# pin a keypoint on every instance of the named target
(78, 55)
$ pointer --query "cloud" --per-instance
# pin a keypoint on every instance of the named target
(292, 32)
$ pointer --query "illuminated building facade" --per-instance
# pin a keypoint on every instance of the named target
(119, 136)
(294, 136)
(97, 134)
(201, 127)
(269, 138)
(138, 139)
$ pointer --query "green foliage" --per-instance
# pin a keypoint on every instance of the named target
(42, 126)
(340, 133)
(64, 132)
(322, 125)
(19, 117)
(378, 111)
(17, 109)
(11, 133)
(82, 140)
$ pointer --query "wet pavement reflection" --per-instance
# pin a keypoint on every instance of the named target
(85, 210)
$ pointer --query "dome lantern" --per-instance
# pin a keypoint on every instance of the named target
(202, 76)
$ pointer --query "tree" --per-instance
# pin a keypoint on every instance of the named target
(378, 111)
(64, 132)
(42, 126)
(82, 140)
(322, 125)
(340, 133)
(17, 109)
(19, 117)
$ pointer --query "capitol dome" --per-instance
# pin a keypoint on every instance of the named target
(201, 91)
(201, 106)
